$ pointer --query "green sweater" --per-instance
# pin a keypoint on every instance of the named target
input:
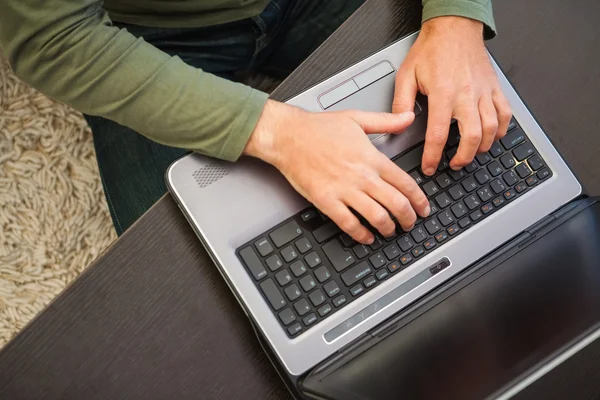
(69, 50)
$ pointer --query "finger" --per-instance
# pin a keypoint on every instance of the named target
(469, 125)
(405, 91)
(372, 122)
(489, 123)
(504, 112)
(438, 125)
(373, 212)
(395, 202)
(346, 221)
(406, 185)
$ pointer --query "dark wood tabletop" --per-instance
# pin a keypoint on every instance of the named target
(153, 319)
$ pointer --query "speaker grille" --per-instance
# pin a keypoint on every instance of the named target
(209, 174)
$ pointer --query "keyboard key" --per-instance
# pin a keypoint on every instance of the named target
(457, 175)
(472, 202)
(432, 227)
(322, 274)
(308, 214)
(418, 251)
(543, 173)
(273, 294)
(285, 234)
(323, 311)
(523, 151)
(446, 218)
(498, 201)
(418, 178)
(495, 168)
(453, 230)
(287, 316)
(535, 162)
(482, 176)
(405, 243)
(369, 282)
(309, 319)
(331, 288)
(308, 283)
(418, 234)
(339, 301)
(429, 244)
(471, 167)
(443, 164)
(347, 240)
(456, 192)
(382, 274)
(292, 292)
(458, 210)
(443, 180)
(295, 329)
(356, 273)
(512, 139)
(512, 125)
(532, 180)
(511, 178)
(339, 257)
(312, 259)
(487, 208)
(392, 251)
(393, 267)
(523, 170)
(509, 194)
(357, 290)
(508, 161)
(498, 186)
(326, 231)
(451, 153)
(443, 200)
(476, 215)
(440, 237)
(406, 259)
(485, 194)
(377, 260)
(360, 250)
(302, 307)
(453, 135)
(463, 223)
(253, 263)
(521, 187)
(317, 298)
(469, 184)
(377, 244)
(283, 277)
(483, 158)
(263, 246)
(430, 189)
(298, 268)
(496, 150)
(274, 262)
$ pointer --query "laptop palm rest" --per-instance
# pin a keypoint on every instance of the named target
(488, 328)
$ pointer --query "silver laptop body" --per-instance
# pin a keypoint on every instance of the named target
(229, 204)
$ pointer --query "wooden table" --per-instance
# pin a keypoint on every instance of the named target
(153, 319)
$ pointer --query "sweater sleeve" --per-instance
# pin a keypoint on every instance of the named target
(480, 10)
(70, 50)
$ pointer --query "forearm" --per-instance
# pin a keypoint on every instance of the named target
(480, 10)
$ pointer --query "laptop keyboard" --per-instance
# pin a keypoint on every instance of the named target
(307, 269)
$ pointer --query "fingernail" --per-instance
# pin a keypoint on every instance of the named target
(429, 171)
(427, 211)
(370, 240)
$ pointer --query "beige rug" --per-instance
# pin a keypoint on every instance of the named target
(53, 216)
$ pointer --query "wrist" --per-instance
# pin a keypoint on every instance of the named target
(451, 24)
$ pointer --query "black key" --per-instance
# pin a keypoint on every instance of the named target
(453, 230)
(331, 288)
(512, 139)
(382, 274)
(317, 298)
(405, 243)
(322, 274)
(274, 262)
(469, 184)
(483, 158)
(510, 177)
(285, 234)
(339, 257)
(323, 311)
(312, 259)
(472, 202)
(443, 180)
(273, 294)
(302, 307)
(326, 231)
(429, 244)
(357, 290)
(430, 189)
(263, 246)
(543, 173)
(377, 244)
(392, 251)
(510, 194)
(360, 250)
(498, 186)
(432, 226)
(512, 125)
(453, 135)
(471, 167)
(459, 210)
(443, 200)
(482, 176)
(292, 292)
(406, 259)
(495, 168)
(347, 240)
(418, 178)
(356, 273)
(309, 214)
(523, 151)
(476, 215)
(295, 329)
(521, 187)
(463, 223)
(446, 218)
(418, 234)
(487, 208)
(411, 160)
(485, 194)
(298, 268)
(289, 254)
(393, 267)
(287, 316)
(456, 192)
(308, 283)
(523, 170)
(377, 260)
(309, 319)
(418, 251)
(498, 201)
(508, 161)
(440, 237)
(457, 175)
(443, 164)
(532, 180)
(339, 301)
(253, 263)
(283, 277)
(451, 153)
(496, 150)
(369, 282)
(535, 162)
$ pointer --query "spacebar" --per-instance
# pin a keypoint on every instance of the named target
(412, 159)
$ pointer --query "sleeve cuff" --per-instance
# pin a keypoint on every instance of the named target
(480, 10)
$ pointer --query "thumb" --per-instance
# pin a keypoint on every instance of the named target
(405, 92)
(374, 122)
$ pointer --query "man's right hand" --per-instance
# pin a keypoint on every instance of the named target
(328, 158)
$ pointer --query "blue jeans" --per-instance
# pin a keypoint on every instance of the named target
(275, 42)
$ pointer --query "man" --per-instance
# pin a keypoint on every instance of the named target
(166, 69)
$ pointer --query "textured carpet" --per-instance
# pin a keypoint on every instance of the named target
(53, 216)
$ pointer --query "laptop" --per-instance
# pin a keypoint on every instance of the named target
(311, 291)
